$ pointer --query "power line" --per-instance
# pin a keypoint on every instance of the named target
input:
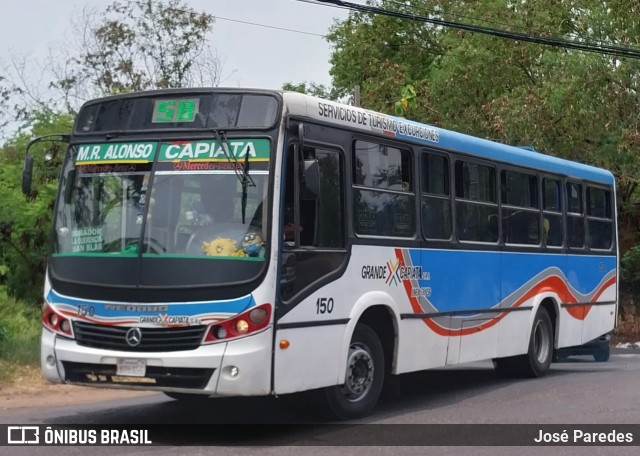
(622, 51)
(256, 24)
(464, 16)
(268, 26)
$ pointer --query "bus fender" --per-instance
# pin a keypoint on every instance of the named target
(366, 301)
(537, 301)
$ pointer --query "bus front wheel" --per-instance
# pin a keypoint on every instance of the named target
(364, 377)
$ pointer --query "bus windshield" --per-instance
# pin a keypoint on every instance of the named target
(180, 199)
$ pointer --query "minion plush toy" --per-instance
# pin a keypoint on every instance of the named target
(252, 244)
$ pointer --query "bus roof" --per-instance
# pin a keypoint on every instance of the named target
(372, 122)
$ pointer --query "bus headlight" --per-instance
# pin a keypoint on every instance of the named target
(248, 322)
(55, 322)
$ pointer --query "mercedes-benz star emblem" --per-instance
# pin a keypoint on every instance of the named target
(133, 337)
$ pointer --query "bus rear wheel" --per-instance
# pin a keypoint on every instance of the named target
(602, 356)
(537, 360)
(364, 377)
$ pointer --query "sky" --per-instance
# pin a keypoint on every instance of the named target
(252, 56)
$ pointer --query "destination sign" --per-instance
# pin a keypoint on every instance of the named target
(134, 152)
(210, 150)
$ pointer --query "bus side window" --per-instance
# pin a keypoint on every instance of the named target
(476, 202)
(384, 196)
(599, 218)
(436, 202)
(321, 227)
(307, 207)
(520, 208)
(575, 215)
(552, 212)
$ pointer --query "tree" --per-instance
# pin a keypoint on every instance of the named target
(381, 54)
(577, 105)
(312, 88)
(25, 223)
(131, 45)
(138, 45)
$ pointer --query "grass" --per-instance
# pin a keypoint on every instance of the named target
(19, 337)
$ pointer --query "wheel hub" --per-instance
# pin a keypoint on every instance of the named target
(359, 377)
(541, 343)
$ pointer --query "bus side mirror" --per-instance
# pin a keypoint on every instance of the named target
(27, 171)
(27, 175)
(311, 182)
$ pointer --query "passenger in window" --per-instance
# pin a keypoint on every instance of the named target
(547, 227)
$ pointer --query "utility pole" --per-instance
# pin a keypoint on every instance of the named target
(356, 96)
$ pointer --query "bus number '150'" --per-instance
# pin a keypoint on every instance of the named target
(84, 310)
(324, 305)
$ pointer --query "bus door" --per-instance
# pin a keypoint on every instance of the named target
(312, 305)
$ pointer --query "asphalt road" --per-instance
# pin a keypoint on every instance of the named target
(574, 393)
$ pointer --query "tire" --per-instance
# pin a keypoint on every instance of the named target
(537, 361)
(602, 356)
(505, 367)
(364, 377)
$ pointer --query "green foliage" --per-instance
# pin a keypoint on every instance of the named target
(407, 101)
(131, 45)
(578, 105)
(19, 331)
(25, 223)
(311, 88)
(630, 271)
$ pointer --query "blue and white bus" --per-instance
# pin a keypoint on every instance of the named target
(230, 242)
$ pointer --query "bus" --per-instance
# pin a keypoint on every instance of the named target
(234, 242)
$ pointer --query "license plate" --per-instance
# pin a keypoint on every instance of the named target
(131, 367)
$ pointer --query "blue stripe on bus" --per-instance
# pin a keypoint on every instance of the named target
(508, 154)
(461, 280)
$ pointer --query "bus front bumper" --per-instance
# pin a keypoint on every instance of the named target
(240, 367)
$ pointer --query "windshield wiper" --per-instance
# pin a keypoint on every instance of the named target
(244, 177)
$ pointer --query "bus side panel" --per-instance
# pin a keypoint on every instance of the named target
(419, 347)
(569, 329)
(477, 343)
(599, 319)
(319, 333)
(525, 277)
(513, 333)
(590, 279)
(311, 360)
(597, 284)
(465, 281)
(319, 337)
(433, 334)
